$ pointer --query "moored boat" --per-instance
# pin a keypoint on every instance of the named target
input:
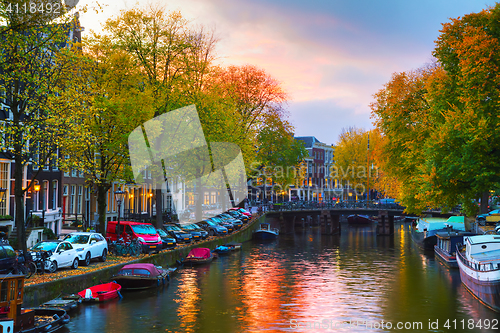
(142, 276)
(233, 246)
(199, 256)
(423, 232)
(13, 318)
(265, 232)
(479, 264)
(445, 249)
(101, 292)
(359, 219)
(222, 250)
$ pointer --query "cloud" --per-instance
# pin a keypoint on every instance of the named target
(335, 52)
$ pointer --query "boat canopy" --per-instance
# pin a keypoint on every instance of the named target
(140, 269)
(199, 252)
(437, 223)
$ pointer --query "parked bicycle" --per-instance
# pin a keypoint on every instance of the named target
(24, 264)
(40, 260)
(127, 247)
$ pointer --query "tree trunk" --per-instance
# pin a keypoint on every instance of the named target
(18, 198)
(101, 208)
(485, 196)
(159, 209)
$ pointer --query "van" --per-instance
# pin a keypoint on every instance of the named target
(145, 233)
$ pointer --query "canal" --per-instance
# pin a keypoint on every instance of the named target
(305, 282)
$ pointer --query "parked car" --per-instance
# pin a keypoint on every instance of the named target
(237, 223)
(238, 215)
(89, 245)
(194, 226)
(7, 257)
(195, 233)
(212, 228)
(144, 233)
(228, 225)
(483, 217)
(180, 235)
(167, 240)
(61, 254)
(242, 211)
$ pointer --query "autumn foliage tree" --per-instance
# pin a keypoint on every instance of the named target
(441, 121)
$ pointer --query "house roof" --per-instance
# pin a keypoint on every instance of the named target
(309, 141)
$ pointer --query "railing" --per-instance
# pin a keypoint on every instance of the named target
(309, 205)
(475, 266)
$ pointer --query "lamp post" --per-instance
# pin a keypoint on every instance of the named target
(119, 195)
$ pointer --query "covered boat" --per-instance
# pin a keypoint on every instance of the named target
(359, 219)
(222, 249)
(199, 256)
(265, 232)
(101, 292)
(479, 264)
(424, 231)
(142, 276)
(446, 246)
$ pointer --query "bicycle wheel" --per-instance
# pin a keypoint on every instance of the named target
(23, 270)
(30, 265)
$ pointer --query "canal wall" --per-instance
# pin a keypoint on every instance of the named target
(34, 295)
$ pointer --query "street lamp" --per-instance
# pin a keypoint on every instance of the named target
(3, 192)
(119, 195)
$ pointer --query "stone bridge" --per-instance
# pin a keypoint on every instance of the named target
(329, 219)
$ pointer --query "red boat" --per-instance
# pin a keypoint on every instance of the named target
(199, 256)
(101, 292)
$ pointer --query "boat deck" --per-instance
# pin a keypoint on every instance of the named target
(487, 257)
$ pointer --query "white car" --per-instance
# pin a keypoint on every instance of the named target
(89, 245)
(61, 254)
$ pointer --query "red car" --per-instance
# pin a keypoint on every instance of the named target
(242, 210)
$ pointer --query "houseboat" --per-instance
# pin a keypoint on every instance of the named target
(423, 232)
(479, 264)
(446, 246)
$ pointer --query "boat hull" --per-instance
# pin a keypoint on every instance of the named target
(265, 235)
(488, 292)
(102, 292)
(198, 261)
(139, 282)
(359, 220)
(448, 259)
(423, 241)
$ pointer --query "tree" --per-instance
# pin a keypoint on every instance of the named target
(278, 154)
(173, 58)
(465, 148)
(103, 100)
(33, 58)
(401, 112)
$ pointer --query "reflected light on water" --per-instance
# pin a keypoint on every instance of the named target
(188, 297)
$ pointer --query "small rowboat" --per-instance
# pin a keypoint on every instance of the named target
(199, 256)
(101, 292)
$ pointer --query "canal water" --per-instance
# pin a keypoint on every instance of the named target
(305, 282)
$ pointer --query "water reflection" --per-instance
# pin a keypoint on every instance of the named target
(301, 279)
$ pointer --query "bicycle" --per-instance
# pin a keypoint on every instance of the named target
(24, 264)
(128, 247)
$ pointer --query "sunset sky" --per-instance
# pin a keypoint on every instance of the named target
(330, 55)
